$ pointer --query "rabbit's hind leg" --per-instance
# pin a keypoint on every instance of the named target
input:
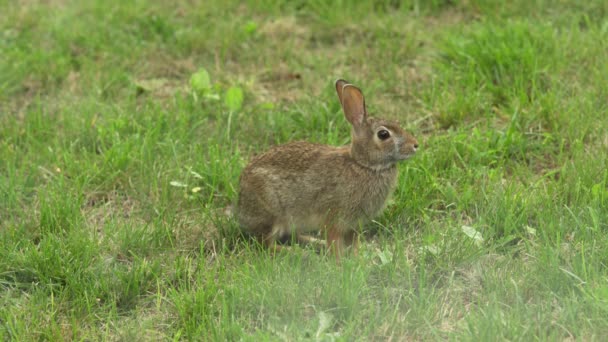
(307, 240)
(271, 240)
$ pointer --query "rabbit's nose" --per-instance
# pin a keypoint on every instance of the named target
(416, 146)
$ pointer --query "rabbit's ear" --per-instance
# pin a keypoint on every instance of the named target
(339, 85)
(353, 105)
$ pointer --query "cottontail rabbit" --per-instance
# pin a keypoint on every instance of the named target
(301, 187)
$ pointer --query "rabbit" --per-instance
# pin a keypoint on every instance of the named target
(301, 187)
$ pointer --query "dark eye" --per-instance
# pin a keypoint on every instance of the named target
(384, 134)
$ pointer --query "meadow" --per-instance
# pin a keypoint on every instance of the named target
(124, 127)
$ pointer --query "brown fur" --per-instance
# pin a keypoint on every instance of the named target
(301, 187)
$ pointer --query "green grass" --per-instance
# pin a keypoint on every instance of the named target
(117, 178)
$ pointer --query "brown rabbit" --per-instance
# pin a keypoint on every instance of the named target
(301, 187)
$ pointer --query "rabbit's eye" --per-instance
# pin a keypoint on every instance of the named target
(384, 134)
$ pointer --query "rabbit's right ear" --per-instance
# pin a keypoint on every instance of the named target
(353, 105)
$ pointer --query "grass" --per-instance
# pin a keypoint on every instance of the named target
(117, 174)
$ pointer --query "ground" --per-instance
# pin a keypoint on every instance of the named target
(124, 127)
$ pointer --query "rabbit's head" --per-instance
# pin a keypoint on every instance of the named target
(376, 143)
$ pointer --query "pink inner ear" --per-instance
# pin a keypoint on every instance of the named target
(357, 119)
(353, 104)
(339, 87)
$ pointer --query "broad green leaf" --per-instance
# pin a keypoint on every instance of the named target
(234, 98)
(200, 81)
(250, 27)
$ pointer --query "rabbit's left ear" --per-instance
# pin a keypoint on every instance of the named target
(353, 105)
(339, 85)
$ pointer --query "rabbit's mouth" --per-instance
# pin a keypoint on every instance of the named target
(405, 153)
(392, 160)
(403, 157)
